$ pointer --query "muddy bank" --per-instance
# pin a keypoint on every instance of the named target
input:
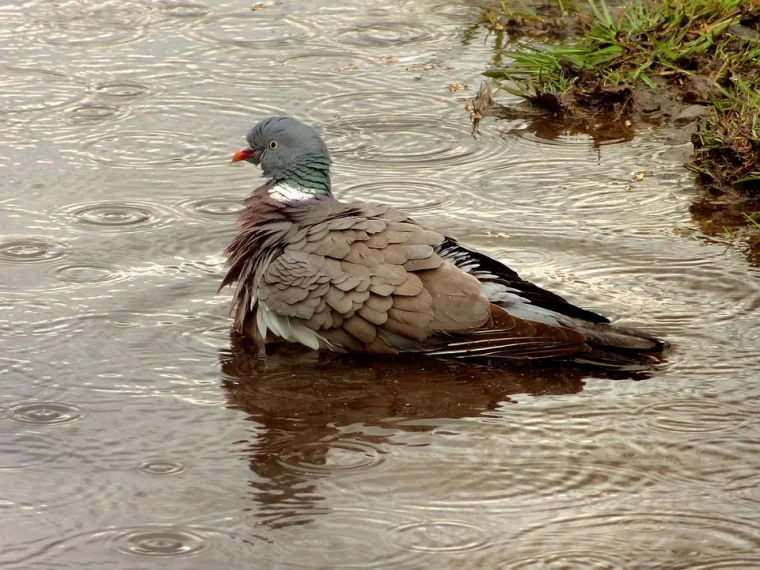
(695, 72)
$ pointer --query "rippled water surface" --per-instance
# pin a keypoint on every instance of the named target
(136, 433)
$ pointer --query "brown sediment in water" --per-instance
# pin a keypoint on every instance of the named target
(548, 21)
(602, 112)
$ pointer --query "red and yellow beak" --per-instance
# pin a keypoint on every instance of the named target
(246, 154)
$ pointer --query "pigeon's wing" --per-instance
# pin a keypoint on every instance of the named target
(506, 288)
(342, 282)
(501, 284)
(522, 299)
(369, 284)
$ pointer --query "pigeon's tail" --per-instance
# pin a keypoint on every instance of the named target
(623, 338)
(613, 346)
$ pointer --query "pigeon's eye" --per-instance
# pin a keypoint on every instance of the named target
(273, 145)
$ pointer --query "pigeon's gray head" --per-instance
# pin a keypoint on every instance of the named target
(282, 146)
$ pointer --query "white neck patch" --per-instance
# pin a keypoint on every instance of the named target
(285, 192)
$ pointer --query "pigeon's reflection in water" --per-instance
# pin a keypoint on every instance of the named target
(310, 408)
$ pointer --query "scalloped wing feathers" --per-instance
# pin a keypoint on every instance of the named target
(365, 278)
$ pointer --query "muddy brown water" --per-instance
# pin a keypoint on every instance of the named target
(135, 433)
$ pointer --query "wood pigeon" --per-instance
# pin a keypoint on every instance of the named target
(366, 278)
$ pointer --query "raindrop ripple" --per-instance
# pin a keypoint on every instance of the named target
(161, 467)
(440, 536)
(46, 413)
(116, 216)
(24, 249)
(159, 542)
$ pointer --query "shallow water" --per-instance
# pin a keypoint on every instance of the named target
(135, 433)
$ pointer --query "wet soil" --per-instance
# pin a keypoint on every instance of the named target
(603, 112)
